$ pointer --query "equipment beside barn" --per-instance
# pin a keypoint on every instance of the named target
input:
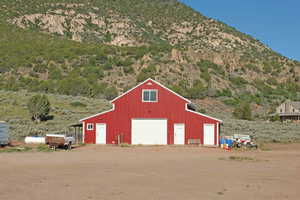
(54, 141)
(4, 135)
(237, 141)
(34, 140)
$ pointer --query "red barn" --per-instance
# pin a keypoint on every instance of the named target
(151, 114)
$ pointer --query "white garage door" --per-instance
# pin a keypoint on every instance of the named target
(149, 131)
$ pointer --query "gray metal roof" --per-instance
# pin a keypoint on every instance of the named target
(295, 104)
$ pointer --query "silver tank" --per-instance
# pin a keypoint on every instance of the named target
(4, 137)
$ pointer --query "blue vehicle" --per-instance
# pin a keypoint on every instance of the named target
(4, 136)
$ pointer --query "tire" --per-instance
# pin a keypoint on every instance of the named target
(69, 146)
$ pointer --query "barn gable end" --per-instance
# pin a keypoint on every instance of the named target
(151, 107)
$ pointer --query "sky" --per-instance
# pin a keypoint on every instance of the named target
(276, 23)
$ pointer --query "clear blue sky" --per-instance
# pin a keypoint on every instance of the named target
(276, 23)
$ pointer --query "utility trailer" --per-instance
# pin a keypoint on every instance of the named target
(56, 140)
(4, 135)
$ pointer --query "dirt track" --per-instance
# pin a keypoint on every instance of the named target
(97, 172)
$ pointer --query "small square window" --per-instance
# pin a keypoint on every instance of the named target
(90, 126)
(149, 95)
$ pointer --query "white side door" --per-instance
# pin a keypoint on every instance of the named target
(179, 134)
(209, 134)
(100, 133)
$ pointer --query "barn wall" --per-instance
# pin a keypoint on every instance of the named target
(169, 106)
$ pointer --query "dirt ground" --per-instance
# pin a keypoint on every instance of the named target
(184, 173)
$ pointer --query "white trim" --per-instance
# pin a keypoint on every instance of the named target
(154, 82)
(113, 108)
(150, 90)
(83, 132)
(203, 115)
(87, 126)
(218, 126)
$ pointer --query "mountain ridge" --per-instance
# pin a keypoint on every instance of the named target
(118, 43)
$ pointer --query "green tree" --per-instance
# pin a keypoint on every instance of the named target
(243, 111)
(39, 107)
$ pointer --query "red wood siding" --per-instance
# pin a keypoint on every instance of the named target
(130, 106)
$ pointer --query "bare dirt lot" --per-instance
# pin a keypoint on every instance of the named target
(103, 172)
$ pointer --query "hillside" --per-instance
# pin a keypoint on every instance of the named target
(67, 110)
(99, 48)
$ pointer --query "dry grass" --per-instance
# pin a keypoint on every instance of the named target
(13, 110)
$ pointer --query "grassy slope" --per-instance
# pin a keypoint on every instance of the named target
(41, 62)
(27, 56)
(13, 109)
(261, 130)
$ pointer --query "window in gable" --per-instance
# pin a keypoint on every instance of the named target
(149, 96)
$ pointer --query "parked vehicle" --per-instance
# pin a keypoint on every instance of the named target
(243, 140)
(4, 135)
(56, 140)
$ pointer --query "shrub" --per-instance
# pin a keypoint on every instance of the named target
(205, 76)
(243, 111)
(231, 102)
(92, 72)
(110, 93)
(74, 86)
(204, 65)
(224, 93)
(267, 68)
(128, 69)
(238, 81)
(146, 73)
(275, 118)
(197, 91)
(77, 104)
(252, 67)
(39, 107)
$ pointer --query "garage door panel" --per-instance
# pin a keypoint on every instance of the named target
(149, 131)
